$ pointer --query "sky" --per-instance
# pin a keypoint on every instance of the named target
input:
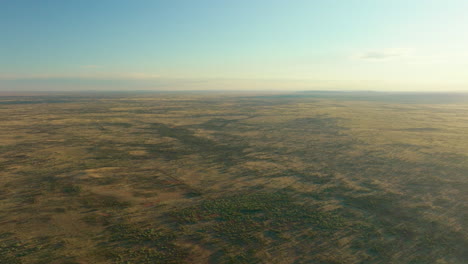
(391, 45)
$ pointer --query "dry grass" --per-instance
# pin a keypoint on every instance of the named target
(204, 178)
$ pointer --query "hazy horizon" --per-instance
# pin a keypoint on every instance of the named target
(243, 45)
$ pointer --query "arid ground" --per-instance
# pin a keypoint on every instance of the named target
(312, 177)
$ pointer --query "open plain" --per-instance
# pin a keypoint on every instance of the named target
(312, 177)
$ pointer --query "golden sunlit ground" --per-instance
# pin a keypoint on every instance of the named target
(240, 178)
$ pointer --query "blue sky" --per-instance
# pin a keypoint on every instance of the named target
(255, 44)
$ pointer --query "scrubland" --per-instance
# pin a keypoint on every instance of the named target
(238, 178)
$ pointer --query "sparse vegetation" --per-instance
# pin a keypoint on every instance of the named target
(177, 178)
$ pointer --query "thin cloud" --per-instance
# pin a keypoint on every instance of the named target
(92, 66)
(141, 76)
(379, 55)
(84, 76)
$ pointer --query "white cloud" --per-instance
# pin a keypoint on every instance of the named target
(385, 54)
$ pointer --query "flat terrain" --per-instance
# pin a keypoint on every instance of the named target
(239, 178)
